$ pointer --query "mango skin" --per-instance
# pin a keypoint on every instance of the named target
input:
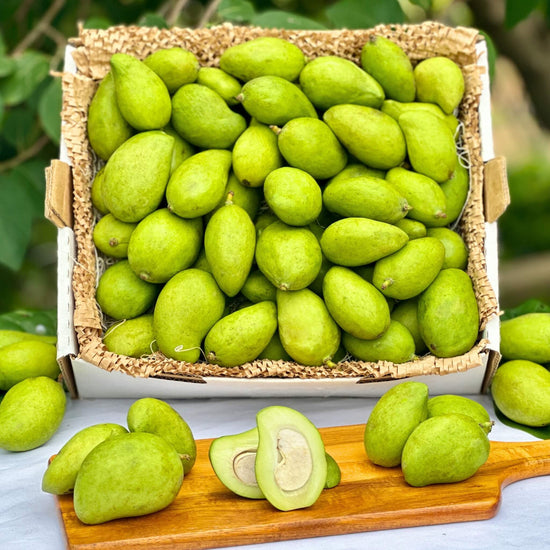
(128, 475)
(131, 337)
(449, 403)
(526, 337)
(175, 66)
(521, 390)
(221, 82)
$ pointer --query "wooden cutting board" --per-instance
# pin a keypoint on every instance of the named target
(207, 515)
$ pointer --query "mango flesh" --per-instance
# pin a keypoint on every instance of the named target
(175, 66)
(526, 337)
(132, 337)
(158, 417)
(444, 449)
(115, 481)
(521, 390)
(30, 413)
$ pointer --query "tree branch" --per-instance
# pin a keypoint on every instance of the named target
(208, 12)
(25, 155)
(175, 10)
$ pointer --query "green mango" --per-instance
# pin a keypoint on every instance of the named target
(111, 236)
(229, 244)
(444, 449)
(456, 251)
(371, 136)
(132, 337)
(121, 294)
(107, 128)
(186, 309)
(392, 420)
(30, 413)
(405, 312)
(136, 175)
(409, 271)
(221, 82)
(274, 100)
(202, 262)
(395, 345)
(182, 150)
(8, 336)
(423, 194)
(60, 476)
(185, 196)
(248, 198)
(526, 337)
(290, 257)
(395, 109)
(257, 288)
(157, 417)
(353, 242)
(387, 62)
(459, 404)
(456, 191)
(242, 335)
(274, 351)
(308, 332)
(265, 55)
(356, 169)
(264, 218)
(439, 80)
(255, 155)
(96, 192)
(430, 145)
(334, 474)
(293, 195)
(27, 359)
(330, 80)
(521, 390)
(127, 475)
(175, 66)
(413, 228)
(357, 307)
(365, 197)
(163, 244)
(142, 96)
(448, 314)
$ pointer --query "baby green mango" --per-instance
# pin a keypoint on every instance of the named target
(275, 350)
(257, 288)
(307, 330)
(521, 391)
(266, 55)
(136, 175)
(331, 80)
(198, 184)
(458, 404)
(355, 304)
(456, 252)
(175, 66)
(392, 420)
(387, 62)
(163, 244)
(334, 474)
(430, 145)
(248, 198)
(409, 271)
(158, 417)
(444, 449)
(365, 197)
(359, 241)
(413, 228)
(121, 294)
(526, 337)
(221, 82)
(395, 345)
(107, 128)
(448, 314)
(26, 359)
(274, 100)
(356, 169)
(60, 476)
(439, 80)
(456, 191)
(422, 193)
(202, 117)
(293, 195)
(395, 109)
(405, 312)
(132, 337)
(368, 134)
(182, 150)
(142, 96)
(127, 475)
(8, 336)
(290, 257)
(255, 155)
(229, 244)
(309, 144)
(30, 413)
(186, 309)
(241, 336)
(96, 193)
(111, 236)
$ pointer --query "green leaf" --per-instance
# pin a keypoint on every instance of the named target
(278, 19)
(15, 222)
(354, 14)
(35, 321)
(153, 20)
(424, 4)
(236, 11)
(3, 48)
(97, 23)
(19, 129)
(541, 433)
(518, 10)
(7, 66)
(30, 175)
(49, 110)
(31, 68)
(2, 112)
(529, 306)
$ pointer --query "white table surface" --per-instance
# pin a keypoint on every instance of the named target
(29, 517)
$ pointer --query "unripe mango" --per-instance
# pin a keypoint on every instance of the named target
(175, 66)
(526, 337)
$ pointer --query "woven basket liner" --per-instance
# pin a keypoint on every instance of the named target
(92, 54)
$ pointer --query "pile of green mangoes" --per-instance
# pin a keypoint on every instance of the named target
(282, 208)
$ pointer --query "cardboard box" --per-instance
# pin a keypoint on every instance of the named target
(91, 371)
